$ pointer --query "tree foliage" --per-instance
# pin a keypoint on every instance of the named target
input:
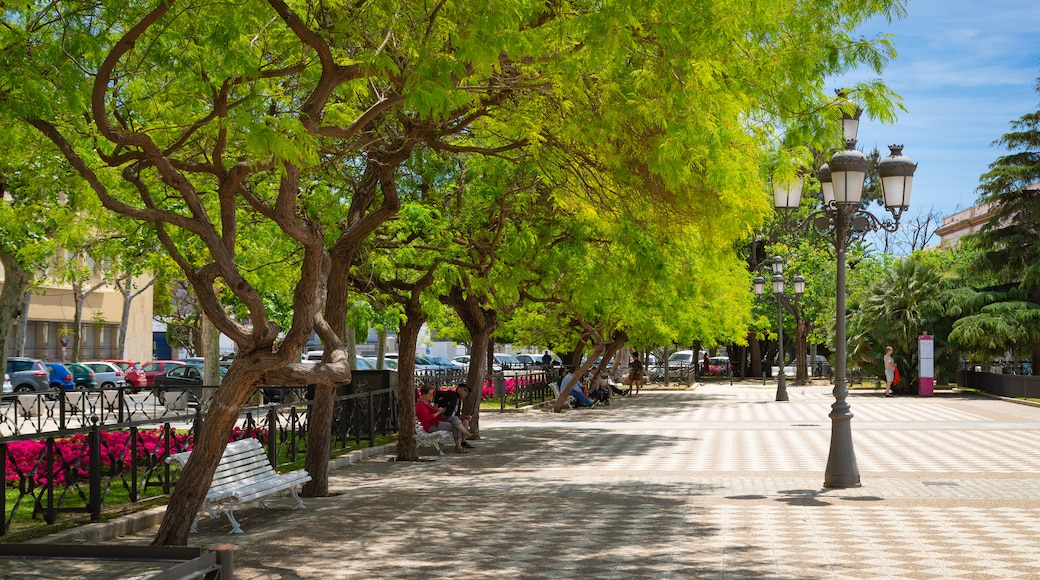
(1009, 244)
(262, 134)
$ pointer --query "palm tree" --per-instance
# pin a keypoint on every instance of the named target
(905, 302)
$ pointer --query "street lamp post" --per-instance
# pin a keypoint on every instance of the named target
(842, 218)
(778, 291)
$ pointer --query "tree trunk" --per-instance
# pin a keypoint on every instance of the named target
(381, 347)
(77, 320)
(481, 323)
(407, 338)
(319, 441)
(210, 440)
(210, 351)
(801, 354)
(475, 376)
(126, 288)
(23, 325)
(756, 354)
(16, 283)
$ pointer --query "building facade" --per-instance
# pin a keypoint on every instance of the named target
(52, 312)
(962, 223)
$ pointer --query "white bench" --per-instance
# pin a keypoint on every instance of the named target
(428, 439)
(244, 474)
(556, 391)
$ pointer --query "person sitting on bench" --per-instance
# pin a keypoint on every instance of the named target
(427, 414)
(600, 389)
(451, 402)
(576, 392)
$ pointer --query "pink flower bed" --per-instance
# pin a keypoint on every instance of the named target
(30, 457)
(488, 392)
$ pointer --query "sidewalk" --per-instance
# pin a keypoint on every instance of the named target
(716, 482)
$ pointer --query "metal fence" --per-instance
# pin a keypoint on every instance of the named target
(1014, 386)
(77, 454)
(74, 455)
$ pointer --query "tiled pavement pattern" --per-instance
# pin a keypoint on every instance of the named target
(717, 482)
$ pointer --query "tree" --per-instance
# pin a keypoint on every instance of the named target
(910, 298)
(1001, 319)
(35, 191)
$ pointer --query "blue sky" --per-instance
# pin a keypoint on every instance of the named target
(965, 70)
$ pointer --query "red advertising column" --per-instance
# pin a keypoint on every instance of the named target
(926, 385)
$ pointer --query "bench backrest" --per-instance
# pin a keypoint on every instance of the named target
(242, 460)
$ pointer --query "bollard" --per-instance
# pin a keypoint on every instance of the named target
(226, 559)
(27, 405)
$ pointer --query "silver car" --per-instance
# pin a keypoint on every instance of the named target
(107, 375)
(28, 374)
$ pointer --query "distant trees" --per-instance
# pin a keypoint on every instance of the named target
(1007, 249)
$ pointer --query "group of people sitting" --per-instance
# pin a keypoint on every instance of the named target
(441, 410)
(593, 392)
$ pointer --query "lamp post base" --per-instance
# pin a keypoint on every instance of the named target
(781, 387)
(842, 471)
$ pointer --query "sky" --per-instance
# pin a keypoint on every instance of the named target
(965, 70)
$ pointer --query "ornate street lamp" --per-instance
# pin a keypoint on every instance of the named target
(778, 291)
(841, 181)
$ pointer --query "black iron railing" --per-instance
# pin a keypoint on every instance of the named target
(75, 455)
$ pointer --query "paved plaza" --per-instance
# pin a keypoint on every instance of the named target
(718, 481)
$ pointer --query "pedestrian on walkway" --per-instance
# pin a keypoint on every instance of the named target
(635, 377)
(890, 371)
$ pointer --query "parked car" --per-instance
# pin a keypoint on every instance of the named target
(83, 376)
(441, 362)
(107, 375)
(530, 360)
(8, 387)
(388, 363)
(508, 361)
(718, 366)
(195, 361)
(422, 363)
(61, 377)
(182, 377)
(132, 372)
(462, 362)
(361, 363)
(155, 368)
(682, 358)
(820, 368)
(28, 374)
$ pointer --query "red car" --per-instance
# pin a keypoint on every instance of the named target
(155, 368)
(718, 366)
(132, 372)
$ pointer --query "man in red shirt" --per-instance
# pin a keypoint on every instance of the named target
(427, 414)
